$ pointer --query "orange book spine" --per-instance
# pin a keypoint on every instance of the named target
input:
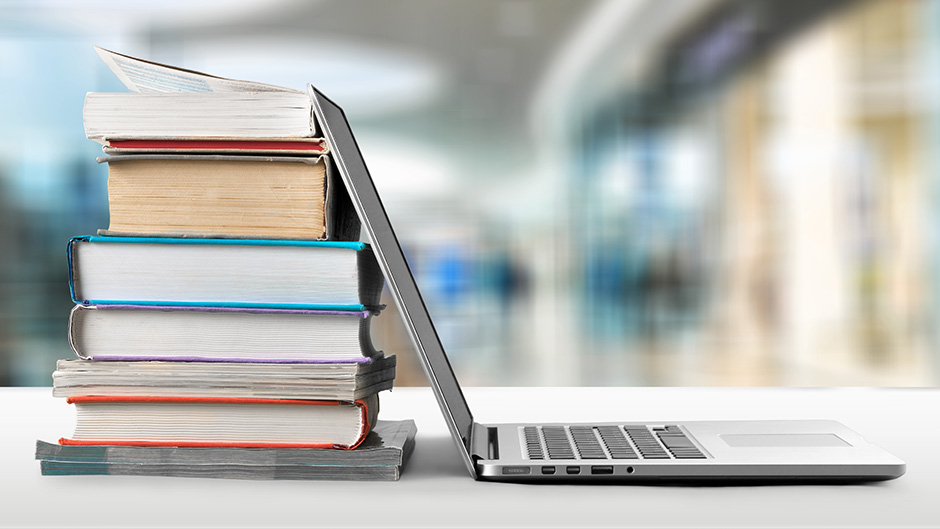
(202, 400)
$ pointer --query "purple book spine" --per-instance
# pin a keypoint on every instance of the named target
(356, 360)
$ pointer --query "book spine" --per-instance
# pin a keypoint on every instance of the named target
(368, 416)
(342, 222)
(73, 332)
(371, 280)
(71, 259)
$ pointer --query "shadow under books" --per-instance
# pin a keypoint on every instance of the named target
(434, 457)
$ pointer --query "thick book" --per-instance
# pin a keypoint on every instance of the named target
(221, 422)
(381, 456)
(316, 275)
(224, 334)
(219, 196)
(153, 78)
(244, 115)
(173, 104)
(332, 381)
(318, 381)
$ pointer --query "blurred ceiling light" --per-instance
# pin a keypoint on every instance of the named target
(367, 81)
(611, 48)
(688, 163)
(602, 25)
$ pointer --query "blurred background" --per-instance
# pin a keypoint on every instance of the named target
(631, 192)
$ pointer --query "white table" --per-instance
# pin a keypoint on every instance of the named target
(436, 490)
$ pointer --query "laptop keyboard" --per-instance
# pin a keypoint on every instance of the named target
(609, 442)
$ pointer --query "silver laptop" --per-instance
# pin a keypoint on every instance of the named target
(611, 451)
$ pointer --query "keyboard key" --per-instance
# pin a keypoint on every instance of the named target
(679, 445)
(616, 442)
(586, 442)
(557, 443)
(646, 444)
(676, 441)
(533, 445)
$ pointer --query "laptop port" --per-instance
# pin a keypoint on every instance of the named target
(573, 470)
(548, 471)
(602, 469)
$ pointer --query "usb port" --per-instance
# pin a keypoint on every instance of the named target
(573, 470)
(602, 469)
(548, 470)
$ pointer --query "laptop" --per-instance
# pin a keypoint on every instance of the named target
(620, 451)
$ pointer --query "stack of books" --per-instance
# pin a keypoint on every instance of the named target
(222, 321)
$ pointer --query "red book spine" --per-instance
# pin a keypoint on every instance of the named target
(247, 145)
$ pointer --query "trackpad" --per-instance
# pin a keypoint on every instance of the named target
(797, 440)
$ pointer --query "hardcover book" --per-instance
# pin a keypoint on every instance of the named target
(319, 275)
(218, 422)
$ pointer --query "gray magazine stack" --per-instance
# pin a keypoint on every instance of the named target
(380, 457)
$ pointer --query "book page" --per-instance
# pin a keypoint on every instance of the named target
(145, 76)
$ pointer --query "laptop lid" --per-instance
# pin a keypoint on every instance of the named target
(398, 276)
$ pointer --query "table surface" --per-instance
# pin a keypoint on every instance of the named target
(436, 490)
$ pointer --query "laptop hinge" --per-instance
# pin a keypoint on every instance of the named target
(485, 442)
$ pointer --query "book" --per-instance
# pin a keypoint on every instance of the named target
(319, 275)
(173, 103)
(381, 456)
(218, 421)
(225, 334)
(227, 196)
(386, 444)
(272, 380)
(244, 115)
(216, 145)
(222, 115)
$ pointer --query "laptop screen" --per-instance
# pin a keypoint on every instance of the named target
(398, 276)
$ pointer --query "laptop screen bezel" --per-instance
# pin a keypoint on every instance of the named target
(391, 259)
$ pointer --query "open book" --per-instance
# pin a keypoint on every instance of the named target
(139, 75)
(170, 104)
